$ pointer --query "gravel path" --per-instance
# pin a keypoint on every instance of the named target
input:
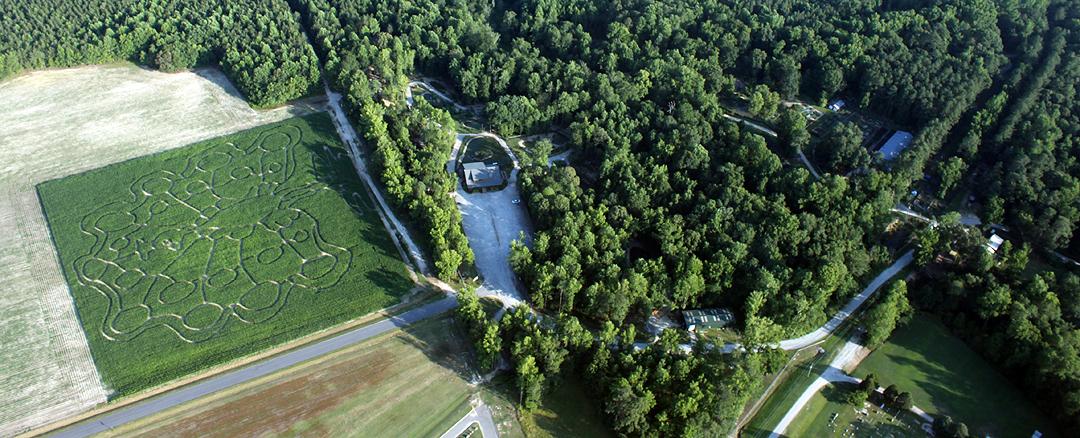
(491, 221)
(822, 332)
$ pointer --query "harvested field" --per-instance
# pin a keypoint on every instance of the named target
(195, 256)
(61, 122)
(408, 383)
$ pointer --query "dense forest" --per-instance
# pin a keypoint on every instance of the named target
(667, 203)
(1019, 151)
(258, 44)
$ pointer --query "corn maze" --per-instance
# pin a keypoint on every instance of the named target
(201, 254)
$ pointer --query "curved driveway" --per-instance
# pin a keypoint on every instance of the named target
(822, 332)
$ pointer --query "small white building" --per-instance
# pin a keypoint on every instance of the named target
(994, 243)
(836, 105)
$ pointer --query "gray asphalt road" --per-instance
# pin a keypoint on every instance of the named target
(250, 372)
(480, 415)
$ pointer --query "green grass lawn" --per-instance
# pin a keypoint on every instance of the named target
(195, 256)
(829, 414)
(566, 411)
(801, 373)
(488, 150)
(944, 376)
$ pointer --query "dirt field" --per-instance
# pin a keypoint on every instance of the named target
(57, 123)
(409, 383)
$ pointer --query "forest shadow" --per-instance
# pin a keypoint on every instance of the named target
(443, 342)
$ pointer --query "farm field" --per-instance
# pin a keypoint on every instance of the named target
(58, 123)
(944, 376)
(412, 382)
(195, 256)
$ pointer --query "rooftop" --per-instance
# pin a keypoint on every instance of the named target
(479, 175)
(899, 141)
(708, 317)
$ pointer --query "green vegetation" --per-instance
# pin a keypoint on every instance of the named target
(806, 367)
(566, 411)
(378, 385)
(488, 150)
(1020, 316)
(817, 418)
(945, 377)
(195, 256)
(257, 43)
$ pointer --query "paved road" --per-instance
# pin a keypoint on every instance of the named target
(833, 374)
(248, 373)
(480, 414)
(822, 332)
(846, 358)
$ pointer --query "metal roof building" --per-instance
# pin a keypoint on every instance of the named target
(899, 141)
(707, 318)
(480, 175)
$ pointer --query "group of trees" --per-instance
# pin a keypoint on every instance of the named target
(668, 204)
(409, 152)
(258, 44)
(892, 309)
(1024, 319)
(410, 146)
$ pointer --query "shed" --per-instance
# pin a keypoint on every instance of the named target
(707, 318)
(836, 105)
(899, 141)
(479, 175)
(994, 243)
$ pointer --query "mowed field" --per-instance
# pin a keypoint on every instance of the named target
(194, 256)
(946, 377)
(409, 383)
(61, 122)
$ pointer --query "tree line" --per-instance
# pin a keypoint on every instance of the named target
(259, 45)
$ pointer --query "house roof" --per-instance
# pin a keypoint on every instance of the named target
(708, 317)
(480, 175)
(899, 141)
(994, 243)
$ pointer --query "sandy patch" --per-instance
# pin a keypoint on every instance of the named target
(61, 122)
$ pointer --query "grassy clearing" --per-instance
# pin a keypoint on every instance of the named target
(828, 414)
(195, 256)
(801, 373)
(408, 383)
(566, 411)
(488, 150)
(61, 122)
(944, 376)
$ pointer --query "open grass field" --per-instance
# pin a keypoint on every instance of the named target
(195, 256)
(61, 122)
(409, 383)
(488, 150)
(801, 372)
(828, 414)
(566, 411)
(944, 376)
